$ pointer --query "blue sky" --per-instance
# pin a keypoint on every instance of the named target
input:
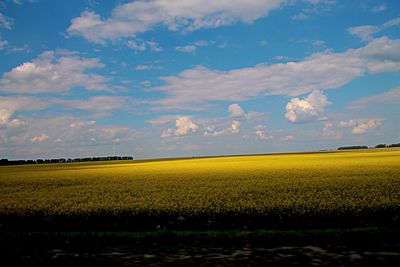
(162, 78)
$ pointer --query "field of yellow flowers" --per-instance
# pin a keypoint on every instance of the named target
(300, 188)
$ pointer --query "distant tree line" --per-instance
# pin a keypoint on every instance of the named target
(366, 147)
(352, 147)
(61, 160)
(385, 145)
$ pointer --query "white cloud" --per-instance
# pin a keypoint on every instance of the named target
(100, 105)
(80, 124)
(319, 43)
(191, 48)
(287, 138)
(349, 123)
(163, 119)
(135, 17)
(261, 133)
(236, 110)
(20, 2)
(5, 21)
(54, 72)
(379, 8)
(300, 16)
(143, 67)
(3, 43)
(366, 32)
(306, 109)
(140, 45)
(97, 103)
(202, 43)
(391, 96)
(135, 45)
(391, 23)
(314, 7)
(184, 125)
(11, 104)
(320, 71)
(330, 133)
(361, 126)
(154, 46)
(147, 67)
(57, 138)
(233, 129)
(186, 49)
(40, 138)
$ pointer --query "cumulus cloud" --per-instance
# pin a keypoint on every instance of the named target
(135, 17)
(361, 126)
(261, 133)
(183, 126)
(54, 72)
(320, 71)
(233, 129)
(311, 107)
(366, 32)
(235, 110)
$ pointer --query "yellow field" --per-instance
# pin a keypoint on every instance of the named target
(323, 183)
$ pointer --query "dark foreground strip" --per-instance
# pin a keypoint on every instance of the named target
(318, 247)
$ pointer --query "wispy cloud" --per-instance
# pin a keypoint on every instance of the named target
(5, 21)
(320, 71)
(135, 17)
(391, 96)
(54, 72)
(186, 48)
(366, 32)
(379, 8)
(143, 67)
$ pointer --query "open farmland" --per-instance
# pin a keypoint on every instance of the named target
(300, 189)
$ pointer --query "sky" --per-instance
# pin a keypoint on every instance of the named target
(162, 78)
